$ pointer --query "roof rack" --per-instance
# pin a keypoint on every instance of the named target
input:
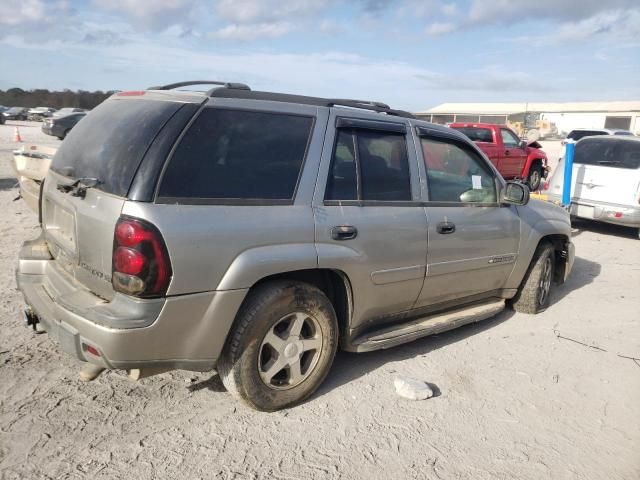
(230, 85)
(379, 107)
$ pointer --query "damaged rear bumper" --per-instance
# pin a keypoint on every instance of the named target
(186, 332)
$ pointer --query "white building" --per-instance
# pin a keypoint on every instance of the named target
(566, 116)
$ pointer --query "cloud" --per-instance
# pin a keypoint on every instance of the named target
(488, 80)
(14, 13)
(440, 28)
(261, 11)
(252, 31)
(153, 14)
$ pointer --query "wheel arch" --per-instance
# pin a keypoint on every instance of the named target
(335, 284)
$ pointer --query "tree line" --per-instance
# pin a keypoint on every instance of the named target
(17, 97)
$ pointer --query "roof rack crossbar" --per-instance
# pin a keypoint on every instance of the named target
(232, 85)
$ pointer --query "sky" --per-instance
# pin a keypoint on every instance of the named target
(410, 54)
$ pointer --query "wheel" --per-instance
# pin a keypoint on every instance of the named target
(535, 177)
(281, 345)
(534, 293)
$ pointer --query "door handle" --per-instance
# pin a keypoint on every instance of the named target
(507, 153)
(344, 232)
(445, 228)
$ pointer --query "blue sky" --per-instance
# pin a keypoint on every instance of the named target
(408, 53)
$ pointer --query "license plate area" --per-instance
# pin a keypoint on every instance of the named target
(60, 225)
(583, 211)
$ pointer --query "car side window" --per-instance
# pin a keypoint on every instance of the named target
(456, 174)
(369, 165)
(508, 138)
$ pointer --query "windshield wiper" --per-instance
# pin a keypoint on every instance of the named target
(79, 187)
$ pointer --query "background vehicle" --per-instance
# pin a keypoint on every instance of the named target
(68, 110)
(2, 109)
(605, 182)
(31, 164)
(579, 133)
(514, 158)
(255, 232)
(15, 113)
(38, 113)
(61, 126)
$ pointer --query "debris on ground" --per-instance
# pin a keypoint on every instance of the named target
(412, 389)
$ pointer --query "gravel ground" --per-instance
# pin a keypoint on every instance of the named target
(527, 397)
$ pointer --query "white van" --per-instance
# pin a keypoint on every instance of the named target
(605, 184)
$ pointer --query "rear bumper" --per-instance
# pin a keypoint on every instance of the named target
(625, 215)
(186, 332)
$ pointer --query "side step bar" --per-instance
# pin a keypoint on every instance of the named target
(430, 325)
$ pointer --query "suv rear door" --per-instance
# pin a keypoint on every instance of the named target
(473, 240)
(104, 149)
(369, 221)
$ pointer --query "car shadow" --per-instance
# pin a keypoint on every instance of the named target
(582, 274)
(580, 226)
(348, 367)
(8, 183)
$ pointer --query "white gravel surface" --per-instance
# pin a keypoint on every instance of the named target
(518, 396)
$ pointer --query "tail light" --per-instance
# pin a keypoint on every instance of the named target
(140, 265)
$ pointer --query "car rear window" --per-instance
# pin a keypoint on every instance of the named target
(608, 153)
(476, 134)
(109, 143)
(238, 155)
(578, 134)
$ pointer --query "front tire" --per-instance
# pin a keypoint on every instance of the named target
(281, 346)
(535, 292)
(535, 177)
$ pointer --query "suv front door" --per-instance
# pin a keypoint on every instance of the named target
(513, 156)
(370, 223)
(473, 240)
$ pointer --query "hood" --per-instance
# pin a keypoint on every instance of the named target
(539, 212)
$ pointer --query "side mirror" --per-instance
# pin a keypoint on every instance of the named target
(515, 193)
(523, 144)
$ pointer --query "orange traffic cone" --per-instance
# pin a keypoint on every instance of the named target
(16, 135)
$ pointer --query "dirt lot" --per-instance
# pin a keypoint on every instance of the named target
(525, 397)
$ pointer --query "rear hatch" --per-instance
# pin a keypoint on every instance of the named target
(103, 152)
(605, 170)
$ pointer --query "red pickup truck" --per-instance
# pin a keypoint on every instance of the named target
(514, 158)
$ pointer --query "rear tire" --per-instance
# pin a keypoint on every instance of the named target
(281, 345)
(535, 177)
(535, 292)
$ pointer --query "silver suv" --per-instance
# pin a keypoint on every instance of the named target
(256, 233)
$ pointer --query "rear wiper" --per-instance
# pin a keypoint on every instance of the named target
(79, 187)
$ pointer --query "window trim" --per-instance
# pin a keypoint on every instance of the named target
(359, 123)
(466, 146)
(360, 202)
(166, 200)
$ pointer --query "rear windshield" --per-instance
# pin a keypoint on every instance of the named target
(578, 134)
(608, 153)
(109, 143)
(476, 134)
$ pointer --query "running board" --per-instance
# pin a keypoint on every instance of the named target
(422, 327)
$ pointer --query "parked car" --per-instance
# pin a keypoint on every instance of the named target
(514, 158)
(256, 233)
(2, 109)
(580, 133)
(68, 110)
(605, 180)
(61, 126)
(39, 113)
(15, 113)
(31, 164)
